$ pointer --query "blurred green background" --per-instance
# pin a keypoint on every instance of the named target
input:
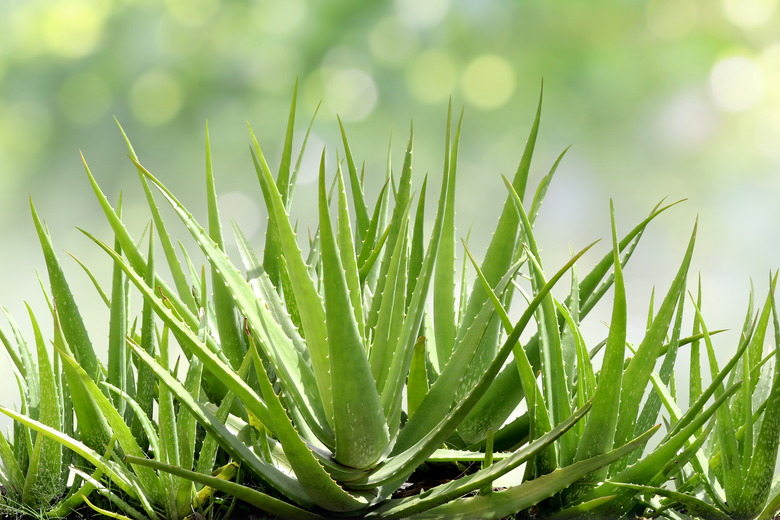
(677, 98)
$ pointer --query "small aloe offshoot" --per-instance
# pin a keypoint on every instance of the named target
(33, 474)
(111, 407)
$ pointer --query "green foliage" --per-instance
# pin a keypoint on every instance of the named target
(320, 383)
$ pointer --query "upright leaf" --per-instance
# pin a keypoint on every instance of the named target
(637, 374)
(117, 326)
(224, 308)
(601, 423)
(144, 392)
(554, 382)
(444, 313)
(133, 254)
(346, 247)
(310, 308)
(43, 481)
(763, 462)
(359, 421)
(283, 182)
(70, 318)
(358, 198)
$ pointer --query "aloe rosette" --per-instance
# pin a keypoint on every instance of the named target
(325, 378)
(339, 335)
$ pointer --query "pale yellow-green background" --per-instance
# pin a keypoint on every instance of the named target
(677, 98)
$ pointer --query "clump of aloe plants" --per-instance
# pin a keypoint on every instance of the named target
(358, 374)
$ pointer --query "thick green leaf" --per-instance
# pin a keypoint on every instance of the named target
(692, 505)
(661, 381)
(346, 246)
(392, 393)
(311, 475)
(117, 327)
(144, 392)
(539, 420)
(235, 447)
(93, 429)
(278, 344)
(151, 485)
(501, 250)
(595, 285)
(294, 369)
(694, 379)
(70, 318)
(93, 483)
(417, 249)
(541, 190)
(443, 392)
(249, 495)
(590, 291)
(11, 476)
(358, 198)
(600, 425)
(359, 420)
(730, 473)
(309, 302)
(210, 360)
(149, 429)
(771, 509)
(230, 338)
(284, 177)
(656, 466)
(637, 374)
(169, 441)
(444, 305)
(401, 466)
(417, 385)
(762, 464)
(554, 382)
(43, 480)
(443, 493)
(398, 224)
(518, 498)
(117, 473)
(272, 251)
(186, 431)
(390, 319)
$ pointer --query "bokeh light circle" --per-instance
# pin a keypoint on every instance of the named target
(422, 15)
(749, 13)
(155, 98)
(391, 42)
(279, 16)
(73, 29)
(431, 76)
(736, 83)
(351, 93)
(687, 121)
(488, 81)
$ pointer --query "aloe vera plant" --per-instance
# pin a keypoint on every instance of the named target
(322, 377)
